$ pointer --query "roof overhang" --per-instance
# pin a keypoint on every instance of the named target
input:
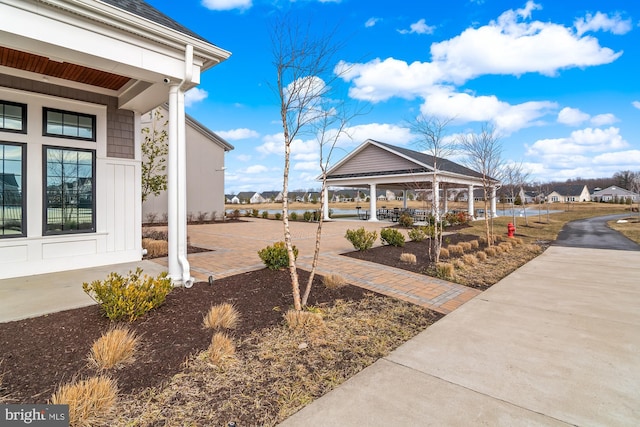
(96, 40)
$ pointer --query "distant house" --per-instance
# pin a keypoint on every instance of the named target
(297, 196)
(272, 196)
(614, 194)
(569, 193)
(205, 174)
(245, 197)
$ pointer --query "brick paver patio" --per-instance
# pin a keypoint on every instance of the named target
(235, 250)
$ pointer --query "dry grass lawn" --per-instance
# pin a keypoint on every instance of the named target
(631, 228)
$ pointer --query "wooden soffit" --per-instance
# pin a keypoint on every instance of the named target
(63, 70)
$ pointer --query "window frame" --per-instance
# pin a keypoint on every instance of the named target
(45, 204)
(45, 121)
(24, 117)
(23, 171)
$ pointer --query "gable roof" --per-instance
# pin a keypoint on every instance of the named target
(614, 190)
(568, 189)
(146, 11)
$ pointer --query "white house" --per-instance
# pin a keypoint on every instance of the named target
(75, 77)
(614, 193)
(205, 170)
(569, 193)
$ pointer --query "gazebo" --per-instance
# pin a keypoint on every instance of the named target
(378, 165)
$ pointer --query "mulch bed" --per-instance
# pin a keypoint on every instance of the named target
(390, 255)
(38, 354)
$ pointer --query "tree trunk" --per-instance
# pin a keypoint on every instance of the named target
(316, 251)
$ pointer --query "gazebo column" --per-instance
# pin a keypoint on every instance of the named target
(470, 202)
(325, 205)
(372, 202)
(494, 212)
(446, 200)
(404, 199)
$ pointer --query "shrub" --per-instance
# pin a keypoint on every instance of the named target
(533, 248)
(518, 240)
(499, 249)
(155, 248)
(151, 217)
(190, 217)
(505, 246)
(303, 320)
(444, 270)
(405, 220)
(466, 246)
(214, 215)
(129, 297)
(202, 216)
(165, 217)
(293, 216)
(114, 348)
(444, 252)
(275, 257)
(482, 240)
(361, 239)
(470, 259)
(418, 234)
(334, 281)
(490, 251)
(278, 215)
(90, 401)
(459, 264)
(265, 214)
(474, 244)
(481, 255)
(408, 258)
(255, 213)
(221, 348)
(391, 236)
(235, 214)
(307, 216)
(221, 316)
(455, 250)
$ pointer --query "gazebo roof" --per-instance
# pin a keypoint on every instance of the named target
(390, 166)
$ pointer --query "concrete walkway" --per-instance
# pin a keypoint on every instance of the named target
(555, 343)
(235, 249)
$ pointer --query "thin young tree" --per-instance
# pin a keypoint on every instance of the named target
(304, 63)
(431, 132)
(154, 156)
(483, 152)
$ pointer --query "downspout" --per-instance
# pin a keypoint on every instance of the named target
(179, 269)
(187, 280)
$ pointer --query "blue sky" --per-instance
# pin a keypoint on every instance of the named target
(557, 79)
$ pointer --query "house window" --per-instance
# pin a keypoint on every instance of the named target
(13, 117)
(12, 198)
(65, 124)
(69, 199)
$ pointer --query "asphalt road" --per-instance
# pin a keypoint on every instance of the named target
(594, 233)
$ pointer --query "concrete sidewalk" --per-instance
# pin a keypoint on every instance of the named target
(555, 343)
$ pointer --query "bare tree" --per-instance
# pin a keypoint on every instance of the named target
(304, 64)
(624, 179)
(484, 155)
(514, 178)
(431, 131)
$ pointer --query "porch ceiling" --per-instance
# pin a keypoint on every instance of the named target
(42, 65)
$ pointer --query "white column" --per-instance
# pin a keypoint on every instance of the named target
(404, 199)
(436, 200)
(446, 200)
(325, 205)
(494, 212)
(470, 202)
(372, 203)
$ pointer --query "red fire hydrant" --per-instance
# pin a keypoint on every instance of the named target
(510, 230)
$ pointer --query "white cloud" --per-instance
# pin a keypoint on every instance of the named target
(419, 27)
(506, 117)
(383, 132)
(237, 134)
(580, 142)
(619, 159)
(371, 22)
(602, 22)
(243, 157)
(506, 46)
(256, 169)
(227, 4)
(603, 119)
(194, 95)
(636, 104)
(572, 116)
